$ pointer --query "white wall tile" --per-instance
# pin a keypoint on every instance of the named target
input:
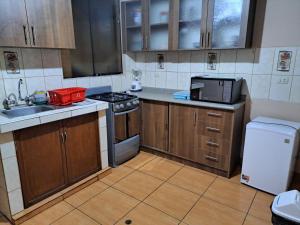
(95, 81)
(130, 61)
(247, 82)
(126, 81)
(140, 61)
(106, 80)
(3, 67)
(116, 82)
(4, 203)
(70, 82)
(150, 61)
(149, 79)
(295, 91)
(280, 91)
(171, 62)
(260, 86)
(160, 79)
(32, 60)
(172, 80)
(16, 201)
(292, 65)
(103, 138)
(244, 61)
(11, 171)
(53, 82)
(184, 62)
(11, 86)
(7, 145)
(51, 59)
(35, 84)
(83, 82)
(2, 92)
(104, 159)
(197, 61)
(297, 63)
(184, 80)
(263, 61)
(206, 68)
(227, 61)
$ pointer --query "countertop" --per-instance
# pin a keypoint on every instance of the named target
(166, 95)
(88, 106)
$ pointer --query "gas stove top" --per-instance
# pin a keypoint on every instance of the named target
(113, 97)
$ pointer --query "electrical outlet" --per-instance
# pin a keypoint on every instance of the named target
(160, 61)
(284, 80)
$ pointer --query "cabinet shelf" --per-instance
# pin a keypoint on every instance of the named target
(134, 27)
(159, 24)
(190, 21)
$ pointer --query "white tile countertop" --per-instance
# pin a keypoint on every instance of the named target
(88, 106)
(166, 95)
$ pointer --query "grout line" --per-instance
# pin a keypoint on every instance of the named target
(250, 207)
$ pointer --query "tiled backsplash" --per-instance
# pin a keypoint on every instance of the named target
(257, 66)
(41, 69)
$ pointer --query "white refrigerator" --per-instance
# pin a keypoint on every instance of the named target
(270, 150)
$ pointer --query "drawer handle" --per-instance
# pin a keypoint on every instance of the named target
(213, 129)
(214, 114)
(211, 158)
(210, 143)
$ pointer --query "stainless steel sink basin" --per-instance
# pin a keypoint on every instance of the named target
(26, 110)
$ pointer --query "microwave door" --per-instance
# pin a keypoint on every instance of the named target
(213, 90)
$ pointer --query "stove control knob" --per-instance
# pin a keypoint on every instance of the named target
(136, 102)
(128, 104)
(122, 106)
(117, 107)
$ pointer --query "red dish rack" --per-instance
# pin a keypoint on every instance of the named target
(66, 96)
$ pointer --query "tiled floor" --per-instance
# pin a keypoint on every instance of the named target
(149, 190)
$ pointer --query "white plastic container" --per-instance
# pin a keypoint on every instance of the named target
(286, 208)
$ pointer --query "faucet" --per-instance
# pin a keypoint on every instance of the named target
(19, 90)
(10, 101)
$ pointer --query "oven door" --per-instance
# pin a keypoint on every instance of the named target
(127, 125)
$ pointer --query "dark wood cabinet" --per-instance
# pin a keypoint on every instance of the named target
(82, 146)
(55, 155)
(41, 24)
(155, 120)
(41, 160)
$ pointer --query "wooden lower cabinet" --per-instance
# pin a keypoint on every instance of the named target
(52, 156)
(155, 120)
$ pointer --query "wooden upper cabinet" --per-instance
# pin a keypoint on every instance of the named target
(155, 120)
(82, 146)
(13, 24)
(50, 23)
(41, 161)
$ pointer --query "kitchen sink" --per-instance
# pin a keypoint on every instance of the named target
(26, 110)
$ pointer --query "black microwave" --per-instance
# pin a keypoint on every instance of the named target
(220, 90)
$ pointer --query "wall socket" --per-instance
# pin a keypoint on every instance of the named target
(284, 80)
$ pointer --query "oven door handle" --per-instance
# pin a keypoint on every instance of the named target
(125, 112)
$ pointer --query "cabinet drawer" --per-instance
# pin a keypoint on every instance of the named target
(214, 116)
(215, 130)
(213, 159)
(216, 145)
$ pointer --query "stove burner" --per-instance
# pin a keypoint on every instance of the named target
(112, 97)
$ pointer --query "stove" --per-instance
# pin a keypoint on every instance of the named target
(122, 118)
(120, 102)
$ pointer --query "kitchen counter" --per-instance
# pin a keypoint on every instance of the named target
(88, 106)
(166, 95)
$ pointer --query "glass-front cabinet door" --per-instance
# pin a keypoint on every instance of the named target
(132, 19)
(228, 23)
(191, 23)
(158, 32)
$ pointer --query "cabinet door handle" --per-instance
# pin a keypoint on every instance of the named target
(211, 158)
(208, 39)
(213, 129)
(213, 144)
(33, 35)
(65, 135)
(25, 35)
(214, 114)
(195, 119)
(146, 44)
(202, 40)
(62, 137)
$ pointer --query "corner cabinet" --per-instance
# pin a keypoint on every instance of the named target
(187, 24)
(40, 24)
(55, 155)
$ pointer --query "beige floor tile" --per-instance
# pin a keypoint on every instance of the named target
(50, 215)
(85, 194)
(146, 215)
(250, 220)
(233, 195)
(3, 221)
(141, 159)
(172, 200)
(161, 168)
(192, 179)
(138, 185)
(116, 175)
(208, 212)
(109, 206)
(75, 217)
(235, 177)
(261, 206)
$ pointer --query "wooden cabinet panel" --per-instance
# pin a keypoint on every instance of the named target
(120, 128)
(134, 121)
(41, 161)
(51, 23)
(13, 24)
(183, 132)
(82, 146)
(155, 124)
